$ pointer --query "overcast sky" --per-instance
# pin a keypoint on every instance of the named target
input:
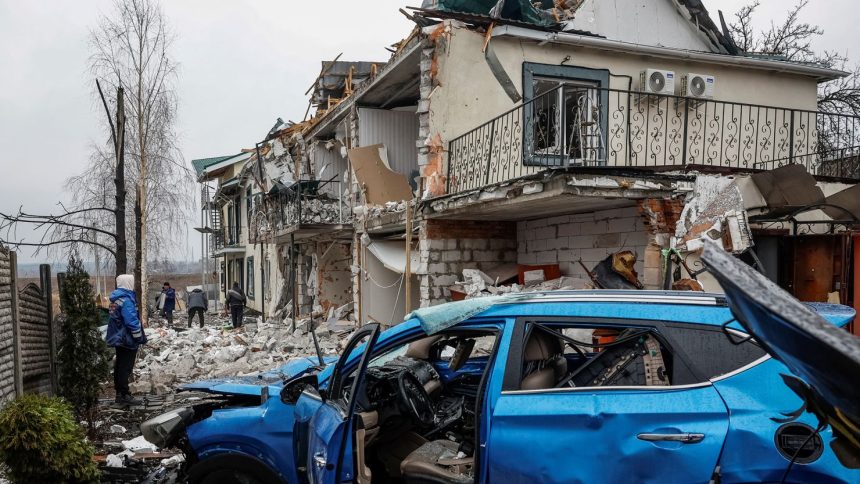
(243, 63)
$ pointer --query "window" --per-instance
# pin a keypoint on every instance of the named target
(250, 272)
(711, 352)
(559, 354)
(565, 115)
(565, 356)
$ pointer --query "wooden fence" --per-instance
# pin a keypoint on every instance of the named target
(27, 333)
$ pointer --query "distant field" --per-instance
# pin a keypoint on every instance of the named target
(178, 281)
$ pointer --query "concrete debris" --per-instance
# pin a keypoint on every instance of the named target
(173, 462)
(139, 444)
(477, 284)
(176, 356)
(325, 210)
(116, 461)
(716, 212)
(373, 211)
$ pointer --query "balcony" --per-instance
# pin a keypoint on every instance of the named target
(226, 239)
(590, 127)
(309, 207)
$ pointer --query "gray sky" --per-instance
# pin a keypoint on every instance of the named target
(243, 63)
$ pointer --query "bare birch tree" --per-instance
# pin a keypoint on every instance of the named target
(792, 39)
(131, 49)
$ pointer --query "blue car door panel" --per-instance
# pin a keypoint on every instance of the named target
(606, 435)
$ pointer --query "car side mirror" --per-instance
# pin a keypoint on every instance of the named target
(294, 388)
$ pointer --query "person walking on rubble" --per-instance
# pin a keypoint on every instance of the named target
(126, 335)
(167, 302)
(198, 304)
(236, 301)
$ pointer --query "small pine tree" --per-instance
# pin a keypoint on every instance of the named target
(82, 353)
(40, 441)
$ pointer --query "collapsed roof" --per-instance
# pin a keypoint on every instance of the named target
(542, 12)
(338, 79)
(560, 15)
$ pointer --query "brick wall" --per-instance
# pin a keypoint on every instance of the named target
(591, 237)
(306, 279)
(449, 246)
(661, 218)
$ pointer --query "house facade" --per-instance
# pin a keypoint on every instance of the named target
(229, 195)
(549, 141)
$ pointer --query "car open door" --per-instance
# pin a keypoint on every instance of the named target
(323, 433)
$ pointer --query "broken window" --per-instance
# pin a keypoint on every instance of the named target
(711, 352)
(571, 356)
(566, 121)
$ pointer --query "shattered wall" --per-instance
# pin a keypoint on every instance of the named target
(398, 131)
(449, 246)
(590, 237)
(334, 275)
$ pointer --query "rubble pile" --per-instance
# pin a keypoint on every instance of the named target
(126, 456)
(324, 210)
(374, 211)
(477, 284)
(178, 355)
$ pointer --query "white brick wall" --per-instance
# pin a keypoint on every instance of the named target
(443, 261)
(591, 237)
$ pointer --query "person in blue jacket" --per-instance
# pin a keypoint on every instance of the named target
(125, 334)
(169, 301)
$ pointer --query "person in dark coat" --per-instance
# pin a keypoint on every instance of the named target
(197, 303)
(126, 335)
(236, 301)
(169, 297)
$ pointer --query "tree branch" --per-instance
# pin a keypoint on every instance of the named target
(59, 242)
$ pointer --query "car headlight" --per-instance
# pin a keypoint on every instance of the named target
(164, 429)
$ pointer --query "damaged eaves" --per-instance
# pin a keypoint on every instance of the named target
(557, 15)
(385, 84)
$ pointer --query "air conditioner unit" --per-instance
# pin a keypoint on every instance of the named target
(655, 81)
(699, 86)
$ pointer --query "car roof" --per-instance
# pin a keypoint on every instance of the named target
(709, 309)
(668, 306)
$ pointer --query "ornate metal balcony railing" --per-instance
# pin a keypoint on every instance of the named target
(225, 237)
(608, 128)
(305, 203)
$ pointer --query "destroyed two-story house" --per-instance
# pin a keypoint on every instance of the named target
(509, 146)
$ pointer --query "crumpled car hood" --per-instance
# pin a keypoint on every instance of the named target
(253, 385)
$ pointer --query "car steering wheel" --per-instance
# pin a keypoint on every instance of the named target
(414, 397)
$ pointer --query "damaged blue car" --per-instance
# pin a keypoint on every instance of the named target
(602, 386)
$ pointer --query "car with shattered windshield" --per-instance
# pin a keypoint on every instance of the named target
(586, 386)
